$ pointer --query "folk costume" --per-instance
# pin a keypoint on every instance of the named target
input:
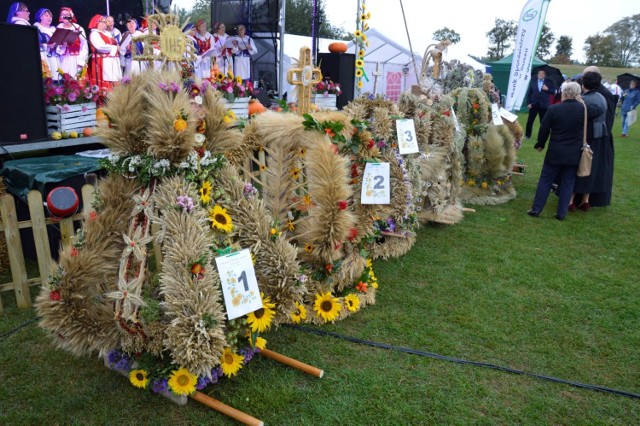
(129, 49)
(48, 55)
(204, 42)
(223, 54)
(14, 9)
(104, 66)
(73, 57)
(242, 57)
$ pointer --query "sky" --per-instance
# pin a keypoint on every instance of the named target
(473, 19)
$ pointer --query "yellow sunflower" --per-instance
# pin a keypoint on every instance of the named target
(358, 34)
(182, 382)
(138, 378)
(360, 84)
(361, 53)
(352, 302)
(205, 192)
(220, 220)
(308, 248)
(363, 16)
(263, 167)
(295, 173)
(230, 74)
(261, 343)
(364, 37)
(302, 152)
(239, 80)
(299, 315)
(359, 73)
(230, 362)
(220, 76)
(359, 63)
(260, 320)
(327, 307)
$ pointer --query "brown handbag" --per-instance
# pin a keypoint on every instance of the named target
(584, 166)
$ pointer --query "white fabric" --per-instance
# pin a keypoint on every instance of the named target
(225, 64)
(19, 21)
(115, 33)
(111, 70)
(51, 58)
(130, 65)
(615, 89)
(71, 64)
(202, 64)
(242, 64)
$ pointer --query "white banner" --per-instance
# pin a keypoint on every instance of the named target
(529, 28)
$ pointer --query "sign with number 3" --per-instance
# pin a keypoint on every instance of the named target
(406, 132)
(239, 283)
(376, 188)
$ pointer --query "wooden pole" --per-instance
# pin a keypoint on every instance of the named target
(14, 246)
(306, 368)
(40, 236)
(392, 234)
(225, 409)
(468, 210)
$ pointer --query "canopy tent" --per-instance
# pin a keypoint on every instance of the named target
(500, 70)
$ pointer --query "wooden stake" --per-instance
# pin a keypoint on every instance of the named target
(306, 368)
(14, 246)
(468, 210)
(392, 234)
(40, 236)
(226, 410)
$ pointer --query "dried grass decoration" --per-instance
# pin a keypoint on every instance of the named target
(169, 206)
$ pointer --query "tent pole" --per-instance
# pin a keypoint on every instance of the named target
(281, 72)
(108, 10)
(413, 59)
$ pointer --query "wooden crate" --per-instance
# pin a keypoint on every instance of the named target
(240, 107)
(324, 101)
(71, 117)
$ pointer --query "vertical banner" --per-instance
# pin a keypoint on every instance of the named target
(529, 28)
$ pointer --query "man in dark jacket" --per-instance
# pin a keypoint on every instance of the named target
(565, 123)
(537, 99)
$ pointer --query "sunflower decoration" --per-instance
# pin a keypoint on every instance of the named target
(260, 320)
(139, 378)
(182, 382)
(205, 192)
(230, 362)
(352, 302)
(361, 42)
(327, 307)
(261, 343)
(299, 314)
(220, 219)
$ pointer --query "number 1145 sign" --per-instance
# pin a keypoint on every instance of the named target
(239, 283)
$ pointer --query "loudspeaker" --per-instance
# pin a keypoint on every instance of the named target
(340, 68)
(22, 99)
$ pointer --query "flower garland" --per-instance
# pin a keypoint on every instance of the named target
(361, 42)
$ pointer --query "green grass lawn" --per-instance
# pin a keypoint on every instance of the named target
(556, 298)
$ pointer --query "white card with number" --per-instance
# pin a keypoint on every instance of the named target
(495, 115)
(508, 115)
(239, 283)
(376, 187)
(406, 131)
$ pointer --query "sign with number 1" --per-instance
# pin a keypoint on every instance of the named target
(376, 187)
(239, 283)
(406, 131)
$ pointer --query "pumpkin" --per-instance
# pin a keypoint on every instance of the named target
(338, 47)
(255, 107)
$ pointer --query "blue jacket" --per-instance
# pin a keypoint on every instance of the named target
(630, 101)
(539, 98)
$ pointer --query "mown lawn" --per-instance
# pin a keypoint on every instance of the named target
(556, 298)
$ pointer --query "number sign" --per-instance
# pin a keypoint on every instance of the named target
(239, 283)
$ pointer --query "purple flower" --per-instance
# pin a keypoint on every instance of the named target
(72, 97)
(185, 202)
(392, 224)
(126, 79)
(202, 383)
(84, 108)
(66, 108)
(58, 90)
(163, 86)
(159, 386)
(249, 191)
(123, 364)
(113, 356)
(175, 87)
(95, 89)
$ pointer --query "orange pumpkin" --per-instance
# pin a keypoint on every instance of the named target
(101, 117)
(338, 47)
(255, 107)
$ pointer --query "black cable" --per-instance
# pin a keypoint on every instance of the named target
(463, 361)
(18, 328)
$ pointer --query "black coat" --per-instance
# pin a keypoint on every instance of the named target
(539, 98)
(565, 122)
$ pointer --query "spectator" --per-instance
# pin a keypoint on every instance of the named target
(616, 91)
(538, 99)
(18, 14)
(629, 103)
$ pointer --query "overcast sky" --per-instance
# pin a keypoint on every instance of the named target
(473, 19)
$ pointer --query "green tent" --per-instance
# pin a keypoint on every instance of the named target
(500, 71)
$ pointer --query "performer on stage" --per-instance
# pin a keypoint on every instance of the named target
(113, 30)
(222, 53)
(243, 48)
(18, 14)
(104, 65)
(73, 57)
(129, 48)
(204, 41)
(49, 57)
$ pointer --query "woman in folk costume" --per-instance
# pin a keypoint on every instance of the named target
(222, 53)
(204, 41)
(130, 48)
(73, 57)
(243, 48)
(104, 66)
(18, 14)
(48, 55)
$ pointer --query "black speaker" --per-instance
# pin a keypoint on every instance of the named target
(340, 68)
(22, 99)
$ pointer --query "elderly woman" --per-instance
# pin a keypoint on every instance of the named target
(18, 14)
(565, 123)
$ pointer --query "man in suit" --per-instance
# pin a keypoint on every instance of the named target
(538, 99)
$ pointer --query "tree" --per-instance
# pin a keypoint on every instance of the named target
(298, 20)
(500, 38)
(598, 50)
(201, 10)
(626, 44)
(546, 40)
(446, 34)
(564, 49)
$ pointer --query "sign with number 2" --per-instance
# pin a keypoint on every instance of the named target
(375, 184)
(239, 283)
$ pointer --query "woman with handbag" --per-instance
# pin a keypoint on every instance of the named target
(564, 123)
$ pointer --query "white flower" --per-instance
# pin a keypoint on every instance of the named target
(198, 100)
(199, 137)
(183, 165)
(114, 158)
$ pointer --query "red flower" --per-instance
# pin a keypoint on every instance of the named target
(354, 170)
(74, 252)
(54, 295)
(93, 215)
(337, 246)
(447, 113)
(362, 287)
(370, 144)
(476, 106)
(200, 151)
(353, 233)
(329, 132)
(328, 267)
(342, 205)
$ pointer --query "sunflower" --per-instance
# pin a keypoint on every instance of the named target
(359, 63)
(364, 37)
(360, 84)
(361, 53)
(230, 74)
(238, 80)
(220, 76)
(299, 315)
(302, 152)
(205, 192)
(260, 320)
(327, 307)
(352, 302)
(230, 362)
(263, 167)
(138, 378)
(220, 219)
(363, 16)
(357, 34)
(295, 173)
(308, 248)
(261, 343)
(182, 382)
(359, 73)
